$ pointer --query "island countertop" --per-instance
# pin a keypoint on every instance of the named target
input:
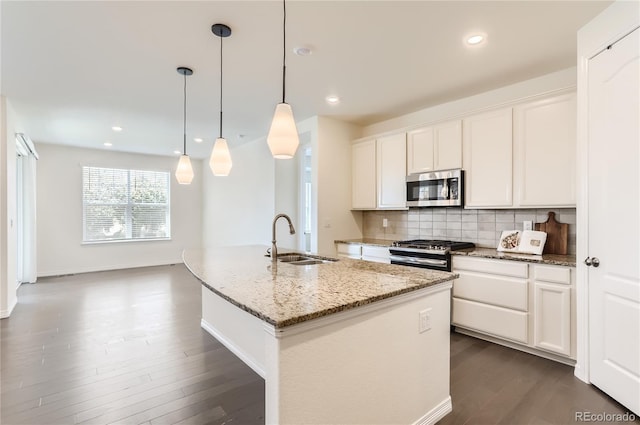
(284, 294)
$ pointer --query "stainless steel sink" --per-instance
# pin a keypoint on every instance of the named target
(303, 260)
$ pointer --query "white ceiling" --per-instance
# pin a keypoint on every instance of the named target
(74, 69)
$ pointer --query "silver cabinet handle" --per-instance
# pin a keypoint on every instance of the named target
(587, 261)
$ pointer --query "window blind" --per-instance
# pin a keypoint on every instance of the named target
(125, 204)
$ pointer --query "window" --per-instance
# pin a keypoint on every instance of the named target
(125, 204)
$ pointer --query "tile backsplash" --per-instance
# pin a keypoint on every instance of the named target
(482, 227)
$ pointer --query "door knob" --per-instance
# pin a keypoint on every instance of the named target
(595, 262)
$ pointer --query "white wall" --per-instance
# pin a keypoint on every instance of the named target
(59, 212)
(8, 230)
(335, 218)
(469, 105)
(238, 209)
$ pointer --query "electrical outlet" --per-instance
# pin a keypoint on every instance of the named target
(527, 225)
(424, 322)
(385, 222)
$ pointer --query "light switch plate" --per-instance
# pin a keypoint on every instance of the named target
(527, 225)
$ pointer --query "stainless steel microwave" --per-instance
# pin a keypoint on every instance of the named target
(436, 189)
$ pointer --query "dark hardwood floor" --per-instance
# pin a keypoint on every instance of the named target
(126, 347)
(121, 347)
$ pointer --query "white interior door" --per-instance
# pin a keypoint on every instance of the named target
(614, 221)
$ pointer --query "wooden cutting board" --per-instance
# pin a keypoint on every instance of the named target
(557, 235)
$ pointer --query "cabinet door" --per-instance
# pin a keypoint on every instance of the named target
(552, 325)
(378, 254)
(420, 150)
(363, 175)
(545, 152)
(391, 156)
(447, 145)
(346, 250)
(487, 159)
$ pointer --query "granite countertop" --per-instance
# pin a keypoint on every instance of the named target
(551, 259)
(285, 294)
(365, 241)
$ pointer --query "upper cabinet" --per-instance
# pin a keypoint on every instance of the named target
(522, 157)
(363, 175)
(488, 159)
(391, 167)
(437, 147)
(545, 152)
(378, 173)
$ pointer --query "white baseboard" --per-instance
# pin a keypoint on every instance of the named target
(233, 348)
(6, 313)
(437, 413)
(106, 268)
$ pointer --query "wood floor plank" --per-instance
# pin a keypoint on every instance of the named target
(133, 351)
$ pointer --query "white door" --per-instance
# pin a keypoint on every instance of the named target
(614, 221)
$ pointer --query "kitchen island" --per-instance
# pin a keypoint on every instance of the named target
(339, 342)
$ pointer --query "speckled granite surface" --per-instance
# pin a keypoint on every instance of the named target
(285, 294)
(365, 241)
(556, 260)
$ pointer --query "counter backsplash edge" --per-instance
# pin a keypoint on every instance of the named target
(482, 227)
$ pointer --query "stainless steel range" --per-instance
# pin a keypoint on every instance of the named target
(428, 254)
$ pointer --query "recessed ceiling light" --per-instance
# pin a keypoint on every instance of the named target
(197, 140)
(177, 152)
(116, 128)
(475, 39)
(332, 99)
(302, 51)
(107, 144)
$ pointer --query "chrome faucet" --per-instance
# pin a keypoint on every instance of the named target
(274, 248)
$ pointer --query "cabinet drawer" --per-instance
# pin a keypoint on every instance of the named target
(500, 291)
(375, 251)
(483, 265)
(552, 274)
(490, 319)
(349, 250)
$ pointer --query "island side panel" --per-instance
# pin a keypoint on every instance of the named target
(242, 333)
(375, 368)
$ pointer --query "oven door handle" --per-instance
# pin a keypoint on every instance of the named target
(418, 260)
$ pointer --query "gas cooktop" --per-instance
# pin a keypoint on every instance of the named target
(434, 244)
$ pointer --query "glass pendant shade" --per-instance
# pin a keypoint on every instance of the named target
(184, 172)
(283, 137)
(220, 160)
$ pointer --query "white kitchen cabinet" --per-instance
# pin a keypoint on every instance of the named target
(552, 328)
(363, 175)
(349, 250)
(524, 306)
(491, 297)
(391, 160)
(545, 152)
(488, 159)
(377, 254)
(378, 173)
(437, 147)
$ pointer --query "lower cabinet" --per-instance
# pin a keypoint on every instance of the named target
(531, 306)
(376, 253)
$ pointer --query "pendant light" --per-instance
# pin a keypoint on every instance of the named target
(283, 135)
(220, 161)
(184, 172)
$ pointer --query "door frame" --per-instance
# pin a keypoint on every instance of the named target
(613, 24)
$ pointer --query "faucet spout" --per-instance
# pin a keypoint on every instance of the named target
(274, 247)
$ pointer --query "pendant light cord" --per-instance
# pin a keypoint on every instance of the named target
(184, 128)
(284, 47)
(221, 87)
